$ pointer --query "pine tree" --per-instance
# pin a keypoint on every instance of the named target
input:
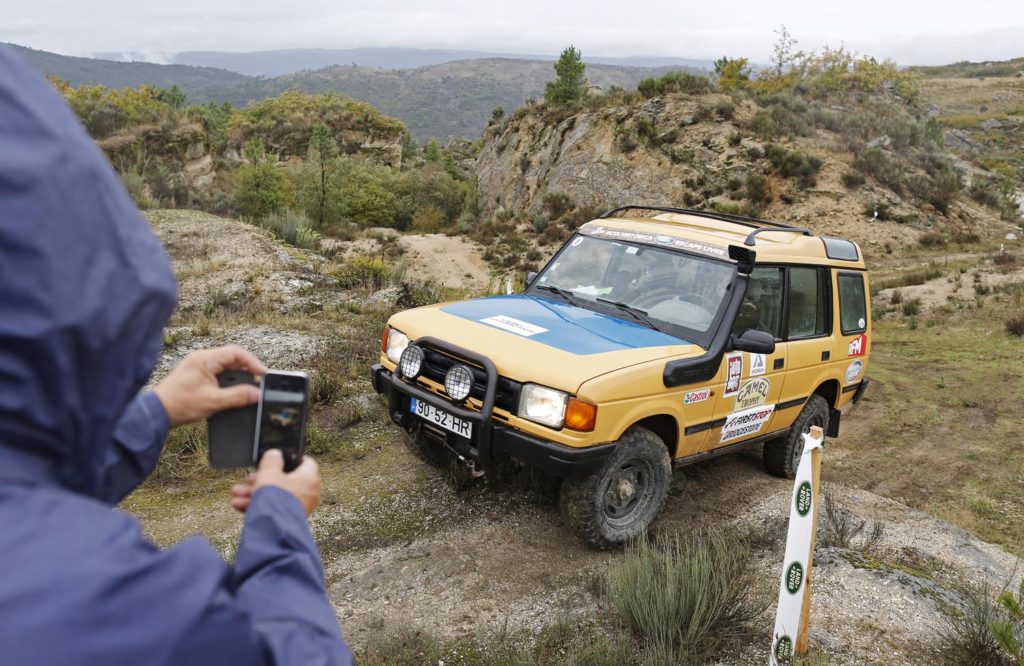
(323, 151)
(571, 84)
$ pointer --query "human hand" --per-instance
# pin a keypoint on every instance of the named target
(191, 392)
(303, 482)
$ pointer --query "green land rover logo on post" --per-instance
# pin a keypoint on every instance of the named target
(803, 498)
(794, 577)
(784, 648)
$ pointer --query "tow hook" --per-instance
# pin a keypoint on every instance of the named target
(471, 465)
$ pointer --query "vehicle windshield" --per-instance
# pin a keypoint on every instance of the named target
(680, 294)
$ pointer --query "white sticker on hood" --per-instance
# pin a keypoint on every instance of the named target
(513, 325)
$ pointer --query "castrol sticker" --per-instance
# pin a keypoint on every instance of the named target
(699, 395)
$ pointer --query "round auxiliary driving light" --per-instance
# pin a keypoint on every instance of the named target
(411, 362)
(458, 382)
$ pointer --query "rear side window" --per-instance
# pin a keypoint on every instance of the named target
(853, 316)
(807, 309)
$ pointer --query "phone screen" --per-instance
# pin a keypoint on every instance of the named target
(282, 411)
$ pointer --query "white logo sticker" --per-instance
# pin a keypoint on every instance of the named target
(733, 373)
(753, 393)
(853, 371)
(576, 241)
(516, 326)
(861, 323)
(699, 395)
(758, 364)
(746, 423)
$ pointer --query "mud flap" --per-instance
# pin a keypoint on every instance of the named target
(833, 423)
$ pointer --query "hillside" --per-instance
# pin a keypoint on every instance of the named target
(441, 101)
(873, 169)
(197, 82)
(449, 100)
(289, 61)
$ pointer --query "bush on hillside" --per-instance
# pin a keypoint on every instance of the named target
(105, 110)
(794, 164)
(675, 82)
(758, 189)
(262, 187)
(293, 227)
(876, 163)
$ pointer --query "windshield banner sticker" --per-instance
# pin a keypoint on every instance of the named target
(513, 325)
(758, 364)
(653, 239)
(699, 395)
(746, 423)
(753, 394)
(733, 373)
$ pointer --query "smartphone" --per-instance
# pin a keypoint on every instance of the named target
(281, 416)
(230, 432)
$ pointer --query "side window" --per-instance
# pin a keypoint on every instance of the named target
(852, 304)
(762, 305)
(808, 316)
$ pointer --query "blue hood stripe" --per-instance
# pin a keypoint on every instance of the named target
(560, 325)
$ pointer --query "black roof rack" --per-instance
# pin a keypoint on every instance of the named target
(714, 215)
(759, 226)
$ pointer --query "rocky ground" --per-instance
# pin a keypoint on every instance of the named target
(402, 547)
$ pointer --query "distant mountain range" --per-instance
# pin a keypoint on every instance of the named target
(443, 100)
(289, 61)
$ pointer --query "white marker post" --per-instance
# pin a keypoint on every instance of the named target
(793, 618)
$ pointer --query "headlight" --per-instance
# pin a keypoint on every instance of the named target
(397, 342)
(411, 362)
(542, 405)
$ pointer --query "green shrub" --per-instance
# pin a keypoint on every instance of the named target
(540, 223)
(911, 307)
(838, 526)
(874, 162)
(689, 596)
(987, 631)
(758, 189)
(733, 208)
(556, 204)
(931, 239)
(293, 227)
(675, 82)
(726, 110)
(794, 164)
(853, 179)
(135, 182)
(364, 271)
(1015, 325)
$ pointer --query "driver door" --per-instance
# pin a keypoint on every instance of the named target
(748, 386)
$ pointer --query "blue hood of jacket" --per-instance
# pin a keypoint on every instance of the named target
(85, 290)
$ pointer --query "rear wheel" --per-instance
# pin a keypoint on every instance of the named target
(620, 500)
(782, 455)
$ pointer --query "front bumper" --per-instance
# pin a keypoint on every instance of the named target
(491, 442)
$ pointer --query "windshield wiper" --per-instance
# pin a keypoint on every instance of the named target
(637, 313)
(564, 293)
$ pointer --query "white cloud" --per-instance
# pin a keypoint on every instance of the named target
(911, 31)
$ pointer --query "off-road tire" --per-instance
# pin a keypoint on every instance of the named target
(584, 501)
(782, 454)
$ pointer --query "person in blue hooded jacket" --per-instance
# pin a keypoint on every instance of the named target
(85, 290)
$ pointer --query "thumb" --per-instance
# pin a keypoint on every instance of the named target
(237, 396)
(272, 461)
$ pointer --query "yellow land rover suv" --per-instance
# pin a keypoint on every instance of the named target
(655, 337)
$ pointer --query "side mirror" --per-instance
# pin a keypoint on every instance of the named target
(753, 341)
(530, 277)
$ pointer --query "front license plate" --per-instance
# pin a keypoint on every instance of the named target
(441, 418)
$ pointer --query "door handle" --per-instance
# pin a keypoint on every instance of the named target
(825, 355)
(778, 364)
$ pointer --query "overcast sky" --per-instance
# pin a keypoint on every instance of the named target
(909, 31)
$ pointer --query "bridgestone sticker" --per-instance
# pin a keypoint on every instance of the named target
(746, 423)
(858, 346)
(853, 371)
(758, 364)
(652, 239)
(696, 396)
(753, 393)
(513, 325)
(733, 373)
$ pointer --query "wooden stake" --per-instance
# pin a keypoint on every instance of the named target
(804, 634)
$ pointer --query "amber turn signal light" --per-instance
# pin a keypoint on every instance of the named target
(384, 339)
(580, 415)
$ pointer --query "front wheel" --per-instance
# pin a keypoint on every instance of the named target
(782, 454)
(620, 500)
